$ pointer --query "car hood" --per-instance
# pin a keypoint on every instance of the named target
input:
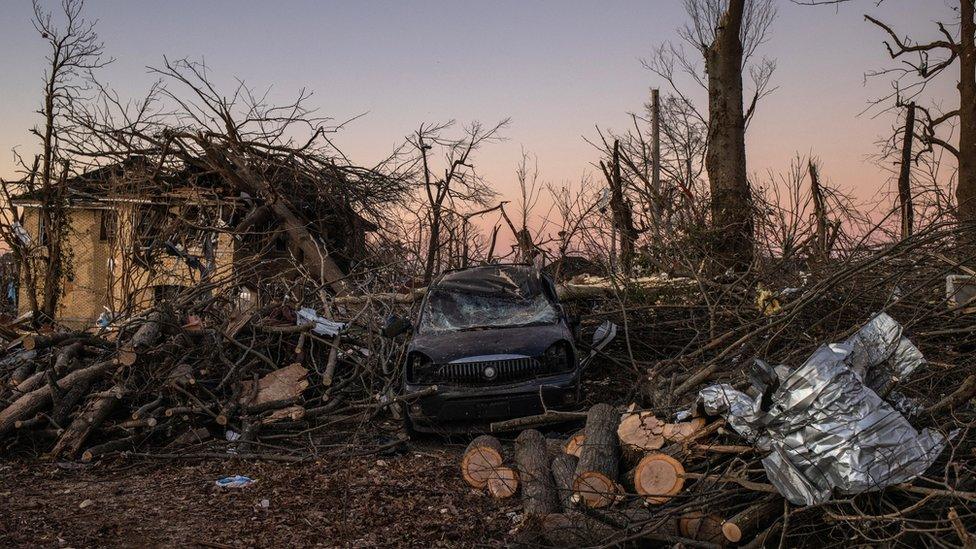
(443, 347)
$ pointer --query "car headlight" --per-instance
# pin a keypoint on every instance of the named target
(419, 367)
(559, 357)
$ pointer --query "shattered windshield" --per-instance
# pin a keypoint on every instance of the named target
(455, 311)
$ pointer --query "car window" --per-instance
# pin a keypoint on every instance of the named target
(454, 311)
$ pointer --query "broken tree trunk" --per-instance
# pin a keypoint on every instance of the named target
(905, 174)
(538, 492)
(596, 472)
(480, 458)
(563, 469)
(88, 419)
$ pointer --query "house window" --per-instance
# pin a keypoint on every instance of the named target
(109, 226)
(41, 230)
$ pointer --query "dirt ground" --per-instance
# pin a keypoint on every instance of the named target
(416, 499)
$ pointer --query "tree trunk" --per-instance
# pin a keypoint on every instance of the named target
(623, 216)
(538, 492)
(725, 159)
(905, 175)
(966, 188)
(822, 245)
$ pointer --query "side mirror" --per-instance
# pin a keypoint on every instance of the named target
(395, 326)
(604, 334)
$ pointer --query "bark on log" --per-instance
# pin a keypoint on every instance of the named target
(753, 519)
(596, 472)
(29, 404)
(480, 458)
(701, 527)
(503, 482)
(87, 420)
(563, 469)
(143, 339)
(538, 491)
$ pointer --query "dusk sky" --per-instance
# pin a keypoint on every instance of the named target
(557, 69)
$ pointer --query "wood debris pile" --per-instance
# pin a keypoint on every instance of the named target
(247, 385)
(628, 475)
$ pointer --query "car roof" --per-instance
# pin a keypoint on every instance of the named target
(509, 280)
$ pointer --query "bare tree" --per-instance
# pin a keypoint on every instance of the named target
(459, 183)
(74, 51)
(726, 33)
(923, 62)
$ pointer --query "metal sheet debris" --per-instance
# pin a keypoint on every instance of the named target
(824, 425)
(323, 326)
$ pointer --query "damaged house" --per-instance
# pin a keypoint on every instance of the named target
(134, 238)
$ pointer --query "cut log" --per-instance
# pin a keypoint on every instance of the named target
(701, 527)
(29, 404)
(574, 445)
(563, 469)
(753, 519)
(657, 478)
(480, 458)
(685, 430)
(144, 338)
(639, 433)
(538, 490)
(87, 420)
(503, 482)
(596, 472)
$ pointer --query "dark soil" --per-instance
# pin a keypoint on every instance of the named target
(416, 499)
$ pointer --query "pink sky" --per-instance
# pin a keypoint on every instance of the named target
(557, 69)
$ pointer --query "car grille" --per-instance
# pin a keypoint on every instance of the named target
(508, 370)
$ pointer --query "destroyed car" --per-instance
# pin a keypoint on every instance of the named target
(497, 344)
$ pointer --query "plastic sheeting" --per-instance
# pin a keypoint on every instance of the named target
(825, 426)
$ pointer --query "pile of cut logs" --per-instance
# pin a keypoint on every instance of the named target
(627, 476)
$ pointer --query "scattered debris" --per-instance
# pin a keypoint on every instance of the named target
(236, 481)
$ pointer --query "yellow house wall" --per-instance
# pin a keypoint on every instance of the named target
(85, 290)
(120, 286)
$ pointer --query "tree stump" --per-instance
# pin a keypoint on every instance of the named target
(538, 492)
(480, 458)
(596, 472)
